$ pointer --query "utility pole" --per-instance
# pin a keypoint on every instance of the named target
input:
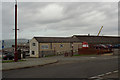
(72, 50)
(15, 53)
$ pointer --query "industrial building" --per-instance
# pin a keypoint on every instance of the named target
(43, 46)
(92, 39)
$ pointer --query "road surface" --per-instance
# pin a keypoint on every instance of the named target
(76, 69)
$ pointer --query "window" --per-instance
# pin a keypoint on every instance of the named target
(44, 46)
(33, 52)
(33, 44)
(61, 45)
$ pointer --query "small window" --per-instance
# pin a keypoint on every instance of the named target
(61, 45)
(33, 44)
(44, 46)
(33, 52)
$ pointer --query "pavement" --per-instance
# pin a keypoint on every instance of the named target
(108, 54)
(30, 62)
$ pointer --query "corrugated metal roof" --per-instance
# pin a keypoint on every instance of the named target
(98, 39)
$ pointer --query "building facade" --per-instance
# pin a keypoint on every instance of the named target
(44, 46)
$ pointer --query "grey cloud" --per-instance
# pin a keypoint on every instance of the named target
(67, 18)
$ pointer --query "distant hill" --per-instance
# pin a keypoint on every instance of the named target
(10, 42)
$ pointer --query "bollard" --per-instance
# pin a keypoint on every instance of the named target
(71, 54)
(98, 52)
(65, 54)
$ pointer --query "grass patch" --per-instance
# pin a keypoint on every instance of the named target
(50, 56)
(9, 61)
(84, 55)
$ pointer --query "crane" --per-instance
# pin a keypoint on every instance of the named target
(100, 31)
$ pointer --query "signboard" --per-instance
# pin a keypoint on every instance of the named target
(85, 45)
(2, 44)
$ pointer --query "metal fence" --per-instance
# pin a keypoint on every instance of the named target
(55, 53)
(46, 53)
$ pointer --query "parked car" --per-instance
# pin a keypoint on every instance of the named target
(109, 46)
(8, 56)
(116, 46)
(100, 46)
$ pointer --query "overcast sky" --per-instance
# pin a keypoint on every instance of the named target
(60, 19)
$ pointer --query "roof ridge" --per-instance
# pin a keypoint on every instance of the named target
(56, 39)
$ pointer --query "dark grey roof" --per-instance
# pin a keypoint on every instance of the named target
(80, 38)
(98, 39)
(96, 36)
(56, 39)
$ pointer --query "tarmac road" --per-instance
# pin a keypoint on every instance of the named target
(78, 69)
